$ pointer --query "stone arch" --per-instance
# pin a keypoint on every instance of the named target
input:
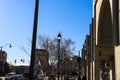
(105, 36)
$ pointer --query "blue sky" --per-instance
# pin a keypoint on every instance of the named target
(70, 17)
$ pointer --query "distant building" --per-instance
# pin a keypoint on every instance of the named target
(3, 56)
(3, 63)
(41, 60)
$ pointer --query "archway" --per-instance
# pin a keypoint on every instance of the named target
(105, 40)
(105, 33)
(105, 24)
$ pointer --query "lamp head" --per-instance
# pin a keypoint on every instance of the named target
(10, 46)
(59, 36)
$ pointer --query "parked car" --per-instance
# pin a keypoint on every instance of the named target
(17, 77)
(10, 75)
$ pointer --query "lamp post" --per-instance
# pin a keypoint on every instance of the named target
(5, 45)
(59, 38)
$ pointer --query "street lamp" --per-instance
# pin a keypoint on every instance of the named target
(59, 38)
(5, 45)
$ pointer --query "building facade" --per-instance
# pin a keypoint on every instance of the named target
(101, 49)
(3, 56)
(4, 66)
(41, 60)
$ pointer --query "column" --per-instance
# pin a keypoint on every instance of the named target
(111, 70)
(97, 64)
(117, 62)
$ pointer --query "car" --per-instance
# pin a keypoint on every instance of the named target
(10, 75)
(17, 77)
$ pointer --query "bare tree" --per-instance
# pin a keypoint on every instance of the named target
(51, 45)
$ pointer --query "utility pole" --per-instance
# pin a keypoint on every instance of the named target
(31, 76)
